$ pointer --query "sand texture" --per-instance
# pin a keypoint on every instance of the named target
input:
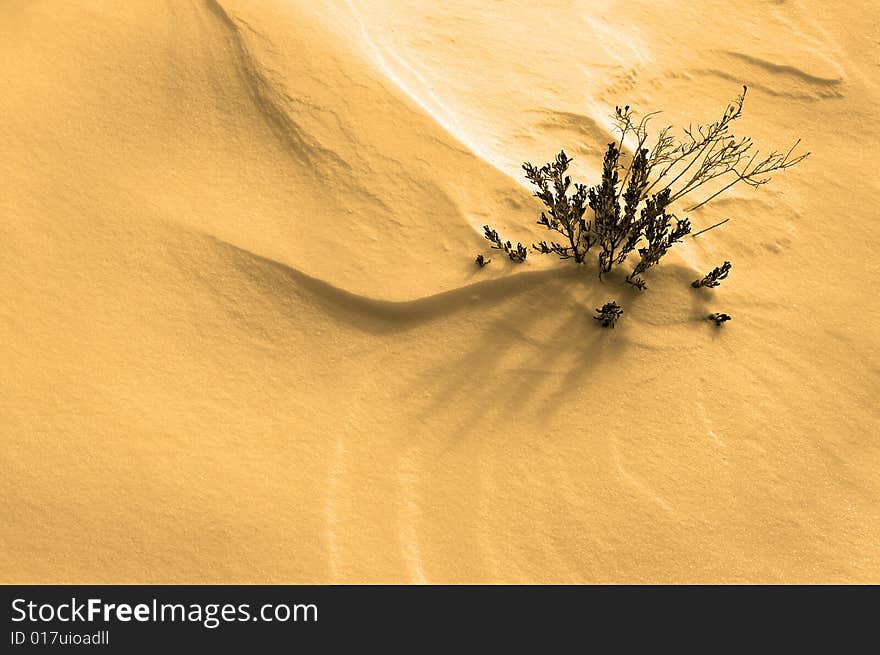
(243, 338)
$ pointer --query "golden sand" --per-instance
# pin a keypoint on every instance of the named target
(243, 339)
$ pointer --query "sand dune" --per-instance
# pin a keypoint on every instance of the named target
(243, 338)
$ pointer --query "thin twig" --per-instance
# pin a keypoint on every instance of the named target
(696, 234)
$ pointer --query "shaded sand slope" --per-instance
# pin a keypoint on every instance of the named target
(321, 164)
(243, 341)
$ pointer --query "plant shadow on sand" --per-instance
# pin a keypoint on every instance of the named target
(541, 349)
(521, 345)
(522, 355)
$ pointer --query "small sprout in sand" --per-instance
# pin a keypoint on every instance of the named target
(482, 261)
(713, 278)
(719, 317)
(608, 314)
(517, 253)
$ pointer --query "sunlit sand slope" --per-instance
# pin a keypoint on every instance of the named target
(243, 338)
